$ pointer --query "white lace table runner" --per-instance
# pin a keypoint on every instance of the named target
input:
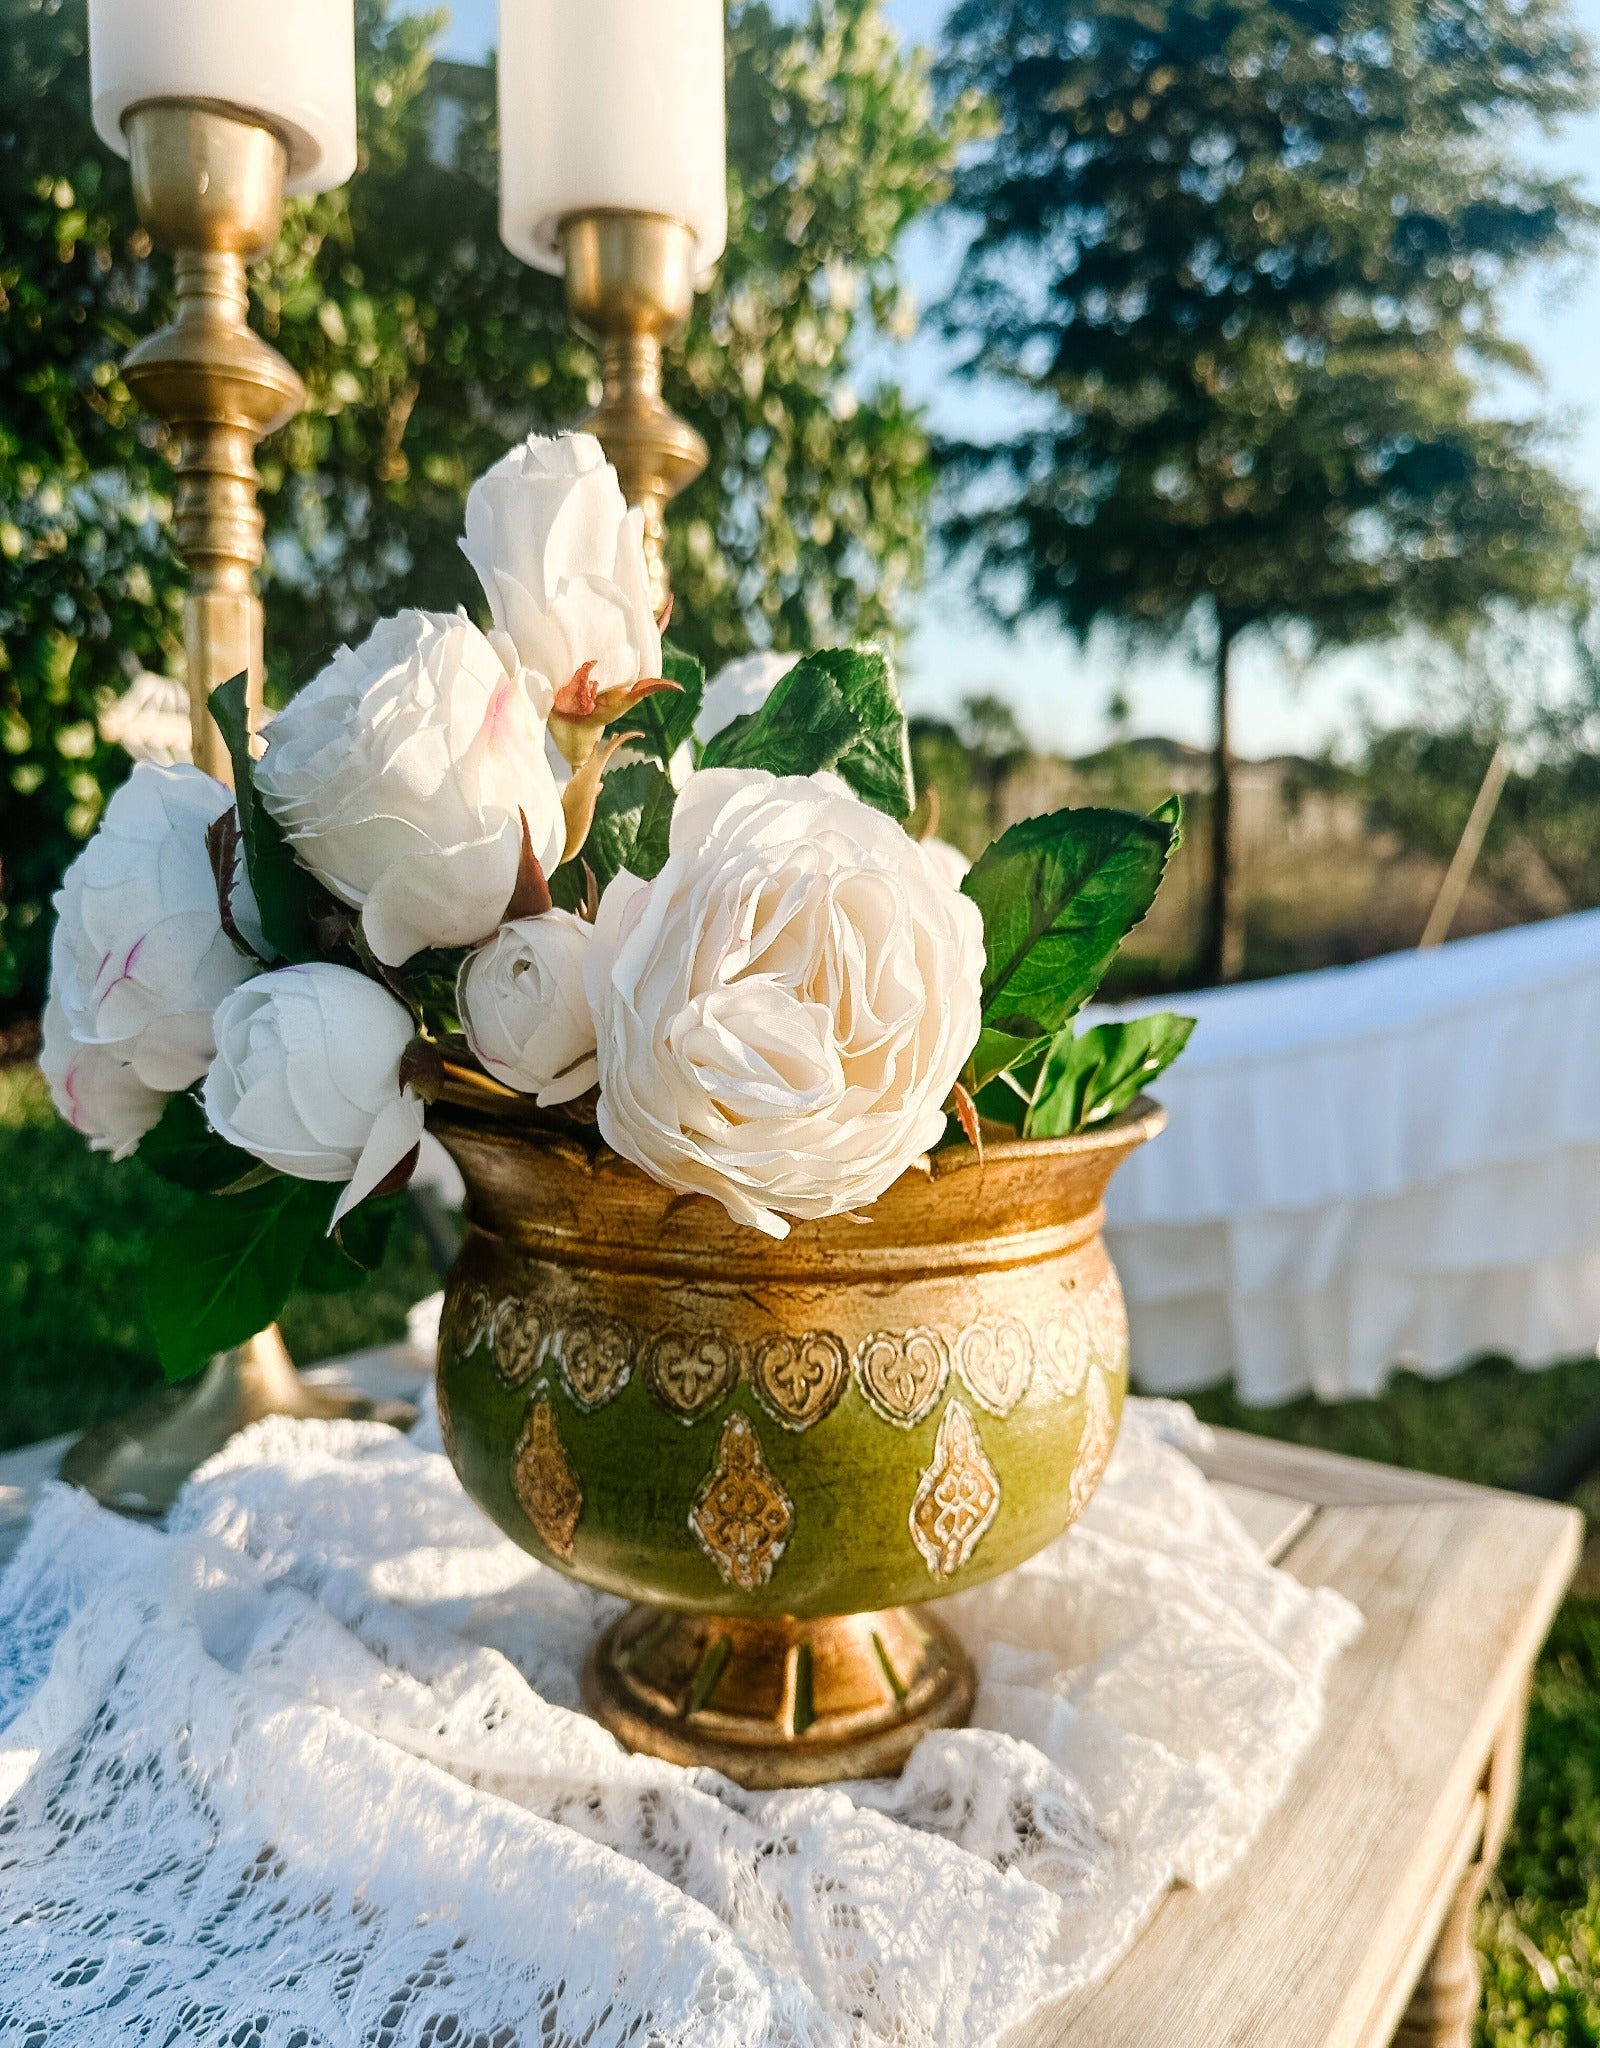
(310, 1769)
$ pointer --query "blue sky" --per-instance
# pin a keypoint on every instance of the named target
(1061, 692)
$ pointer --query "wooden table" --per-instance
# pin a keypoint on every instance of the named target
(1350, 1924)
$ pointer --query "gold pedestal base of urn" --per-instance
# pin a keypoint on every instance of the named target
(138, 1463)
(776, 1701)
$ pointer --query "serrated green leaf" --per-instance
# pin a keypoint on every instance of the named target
(567, 885)
(664, 721)
(287, 896)
(652, 841)
(631, 821)
(667, 720)
(225, 1267)
(342, 1261)
(185, 1150)
(1094, 1075)
(839, 710)
(1058, 894)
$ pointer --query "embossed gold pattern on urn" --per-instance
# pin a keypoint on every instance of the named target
(956, 1498)
(742, 1517)
(773, 1445)
(544, 1481)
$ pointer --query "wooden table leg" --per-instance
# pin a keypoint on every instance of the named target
(1445, 2003)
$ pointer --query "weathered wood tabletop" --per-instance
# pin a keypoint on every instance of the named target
(1350, 1923)
(1352, 1917)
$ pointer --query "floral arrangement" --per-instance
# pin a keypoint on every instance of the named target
(691, 914)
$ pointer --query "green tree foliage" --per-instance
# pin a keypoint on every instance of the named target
(1250, 252)
(426, 349)
(87, 587)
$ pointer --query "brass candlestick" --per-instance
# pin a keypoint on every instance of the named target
(630, 289)
(208, 182)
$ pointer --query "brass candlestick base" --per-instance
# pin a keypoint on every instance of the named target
(208, 182)
(138, 1463)
(775, 1702)
(630, 288)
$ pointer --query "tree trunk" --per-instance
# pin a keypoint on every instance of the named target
(1222, 951)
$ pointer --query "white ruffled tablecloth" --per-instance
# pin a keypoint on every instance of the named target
(1392, 1163)
(311, 1768)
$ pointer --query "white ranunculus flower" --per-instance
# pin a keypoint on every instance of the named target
(738, 687)
(98, 1094)
(307, 1077)
(403, 775)
(523, 1005)
(782, 1012)
(561, 559)
(139, 959)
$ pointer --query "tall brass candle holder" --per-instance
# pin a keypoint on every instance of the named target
(208, 183)
(630, 289)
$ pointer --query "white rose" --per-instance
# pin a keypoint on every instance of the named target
(403, 774)
(781, 1013)
(951, 863)
(561, 560)
(307, 1077)
(98, 1094)
(739, 687)
(523, 1006)
(139, 959)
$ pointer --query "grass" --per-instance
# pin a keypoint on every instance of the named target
(76, 1347)
(76, 1344)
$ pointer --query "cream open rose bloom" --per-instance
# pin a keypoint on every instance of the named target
(403, 775)
(139, 959)
(307, 1077)
(524, 1009)
(561, 559)
(781, 1013)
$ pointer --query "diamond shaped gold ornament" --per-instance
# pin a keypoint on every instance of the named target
(957, 1497)
(544, 1481)
(742, 1518)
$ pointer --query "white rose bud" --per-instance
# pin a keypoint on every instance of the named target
(98, 1094)
(739, 687)
(561, 559)
(782, 1012)
(403, 774)
(140, 959)
(524, 1009)
(307, 1077)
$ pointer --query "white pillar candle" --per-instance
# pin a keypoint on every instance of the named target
(611, 104)
(290, 64)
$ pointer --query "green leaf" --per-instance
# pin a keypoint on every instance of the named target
(185, 1150)
(225, 1267)
(664, 721)
(567, 885)
(631, 822)
(1094, 1075)
(838, 710)
(343, 1261)
(427, 985)
(1058, 894)
(667, 720)
(286, 895)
